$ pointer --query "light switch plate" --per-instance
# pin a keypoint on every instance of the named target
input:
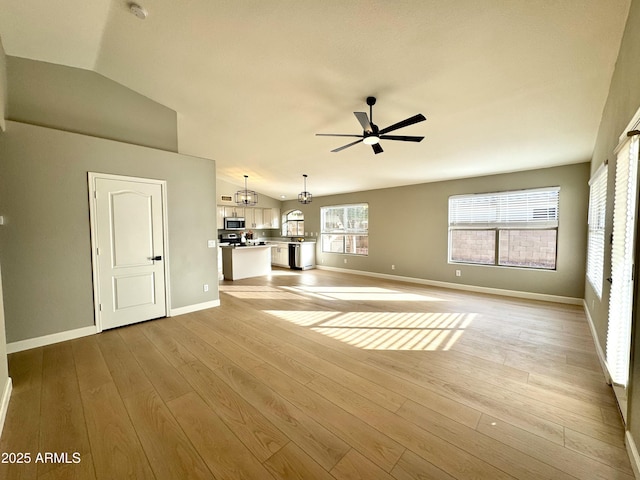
(211, 243)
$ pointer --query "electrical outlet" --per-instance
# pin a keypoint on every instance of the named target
(205, 287)
(458, 273)
(345, 260)
(393, 267)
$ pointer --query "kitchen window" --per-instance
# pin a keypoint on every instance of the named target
(345, 229)
(293, 225)
(513, 229)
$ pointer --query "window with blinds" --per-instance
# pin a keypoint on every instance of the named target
(345, 229)
(621, 296)
(596, 236)
(515, 229)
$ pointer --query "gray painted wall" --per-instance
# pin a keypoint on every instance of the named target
(622, 104)
(226, 188)
(83, 101)
(4, 369)
(408, 227)
(45, 245)
(4, 366)
(3, 87)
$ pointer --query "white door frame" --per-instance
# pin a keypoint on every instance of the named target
(92, 177)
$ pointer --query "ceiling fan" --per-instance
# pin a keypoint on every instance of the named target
(372, 135)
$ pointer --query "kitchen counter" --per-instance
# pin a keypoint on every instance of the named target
(302, 257)
(246, 261)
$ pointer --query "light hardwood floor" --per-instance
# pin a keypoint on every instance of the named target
(324, 375)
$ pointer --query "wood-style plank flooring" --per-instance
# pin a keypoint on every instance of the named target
(322, 375)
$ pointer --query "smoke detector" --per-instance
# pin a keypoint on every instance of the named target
(138, 11)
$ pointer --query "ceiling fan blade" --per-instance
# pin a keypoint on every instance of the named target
(403, 138)
(337, 135)
(404, 123)
(364, 121)
(377, 148)
(345, 146)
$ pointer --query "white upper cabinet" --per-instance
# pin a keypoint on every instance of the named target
(254, 217)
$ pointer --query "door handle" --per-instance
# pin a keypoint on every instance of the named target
(156, 258)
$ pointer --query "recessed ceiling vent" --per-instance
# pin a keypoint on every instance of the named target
(138, 11)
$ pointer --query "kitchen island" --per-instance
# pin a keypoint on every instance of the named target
(246, 261)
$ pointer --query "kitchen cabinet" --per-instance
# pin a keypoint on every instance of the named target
(236, 212)
(266, 218)
(246, 262)
(220, 217)
(255, 218)
(272, 217)
(306, 254)
(280, 254)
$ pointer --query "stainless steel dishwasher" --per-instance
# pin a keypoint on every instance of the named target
(302, 256)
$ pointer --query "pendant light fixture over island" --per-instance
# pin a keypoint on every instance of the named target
(304, 196)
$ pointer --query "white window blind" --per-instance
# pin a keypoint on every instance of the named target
(621, 298)
(596, 236)
(521, 209)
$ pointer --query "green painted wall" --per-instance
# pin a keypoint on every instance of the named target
(45, 245)
(408, 228)
(83, 101)
(4, 368)
(62, 123)
(622, 104)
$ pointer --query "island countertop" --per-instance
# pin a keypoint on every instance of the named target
(245, 261)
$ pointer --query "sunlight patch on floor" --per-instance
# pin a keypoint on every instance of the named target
(247, 288)
(259, 292)
(304, 318)
(384, 330)
(363, 293)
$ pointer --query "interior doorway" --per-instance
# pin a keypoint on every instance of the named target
(129, 249)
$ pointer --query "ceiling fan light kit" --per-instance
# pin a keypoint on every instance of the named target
(138, 11)
(304, 196)
(371, 134)
(246, 197)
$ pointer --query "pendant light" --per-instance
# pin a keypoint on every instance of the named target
(304, 196)
(246, 197)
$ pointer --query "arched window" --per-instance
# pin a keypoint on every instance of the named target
(293, 225)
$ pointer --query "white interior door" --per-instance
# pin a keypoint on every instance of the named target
(128, 242)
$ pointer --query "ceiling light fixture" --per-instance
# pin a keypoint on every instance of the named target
(371, 140)
(246, 197)
(304, 196)
(138, 11)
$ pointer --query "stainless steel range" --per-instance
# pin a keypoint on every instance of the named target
(230, 238)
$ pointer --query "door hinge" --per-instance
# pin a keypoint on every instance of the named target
(97, 251)
(99, 307)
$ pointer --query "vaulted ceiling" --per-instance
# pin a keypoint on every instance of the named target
(506, 85)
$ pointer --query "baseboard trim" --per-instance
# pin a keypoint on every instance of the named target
(45, 340)
(193, 308)
(632, 451)
(4, 405)
(30, 343)
(599, 350)
(460, 286)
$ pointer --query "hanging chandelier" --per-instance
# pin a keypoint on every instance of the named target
(304, 196)
(246, 197)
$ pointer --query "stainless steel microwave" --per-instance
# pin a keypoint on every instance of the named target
(234, 223)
